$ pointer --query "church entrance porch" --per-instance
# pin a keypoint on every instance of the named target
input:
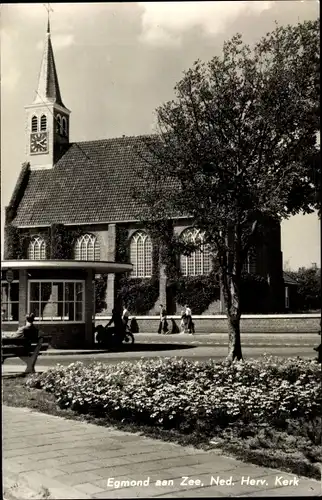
(61, 295)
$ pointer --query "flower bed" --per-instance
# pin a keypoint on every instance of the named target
(190, 396)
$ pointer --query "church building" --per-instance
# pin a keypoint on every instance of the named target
(74, 200)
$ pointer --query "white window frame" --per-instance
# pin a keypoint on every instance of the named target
(141, 237)
(52, 320)
(192, 234)
(40, 243)
(9, 303)
(91, 244)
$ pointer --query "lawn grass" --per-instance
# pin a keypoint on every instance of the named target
(271, 448)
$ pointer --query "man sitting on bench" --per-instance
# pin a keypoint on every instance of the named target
(28, 332)
(26, 343)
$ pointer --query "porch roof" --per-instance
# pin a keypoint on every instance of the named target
(99, 267)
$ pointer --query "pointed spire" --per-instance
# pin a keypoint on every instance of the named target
(48, 9)
(48, 87)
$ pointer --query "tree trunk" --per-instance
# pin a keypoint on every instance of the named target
(234, 345)
(232, 301)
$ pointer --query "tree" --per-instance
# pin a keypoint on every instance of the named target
(309, 288)
(231, 150)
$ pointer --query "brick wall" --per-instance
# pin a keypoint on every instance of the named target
(269, 262)
(260, 324)
(64, 336)
(162, 287)
(103, 240)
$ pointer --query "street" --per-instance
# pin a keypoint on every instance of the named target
(197, 347)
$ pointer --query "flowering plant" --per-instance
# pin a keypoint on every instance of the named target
(185, 394)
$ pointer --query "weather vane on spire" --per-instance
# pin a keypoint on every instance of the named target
(48, 9)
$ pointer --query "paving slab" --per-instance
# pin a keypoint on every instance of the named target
(89, 488)
(106, 472)
(74, 459)
(85, 466)
(78, 477)
(110, 453)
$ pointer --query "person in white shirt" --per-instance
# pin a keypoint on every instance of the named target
(125, 315)
(188, 318)
(183, 321)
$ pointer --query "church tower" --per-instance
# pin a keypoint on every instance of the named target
(47, 127)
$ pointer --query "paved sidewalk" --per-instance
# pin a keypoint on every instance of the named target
(51, 457)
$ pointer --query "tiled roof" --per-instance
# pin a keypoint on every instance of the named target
(92, 182)
(288, 280)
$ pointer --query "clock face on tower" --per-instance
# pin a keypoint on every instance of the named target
(38, 143)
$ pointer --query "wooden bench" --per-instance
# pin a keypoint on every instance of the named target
(27, 352)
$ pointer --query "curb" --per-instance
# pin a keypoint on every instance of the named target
(53, 352)
(58, 352)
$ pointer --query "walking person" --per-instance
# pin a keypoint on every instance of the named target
(183, 322)
(190, 324)
(163, 325)
(125, 316)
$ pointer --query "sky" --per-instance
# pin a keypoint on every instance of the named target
(117, 62)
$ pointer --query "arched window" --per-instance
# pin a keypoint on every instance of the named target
(141, 255)
(250, 264)
(87, 248)
(64, 126)
(58, 124)
(37, 249)
(199, 262)
(43, 122)
(34, 124)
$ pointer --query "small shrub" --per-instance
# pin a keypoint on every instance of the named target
(310, 429)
